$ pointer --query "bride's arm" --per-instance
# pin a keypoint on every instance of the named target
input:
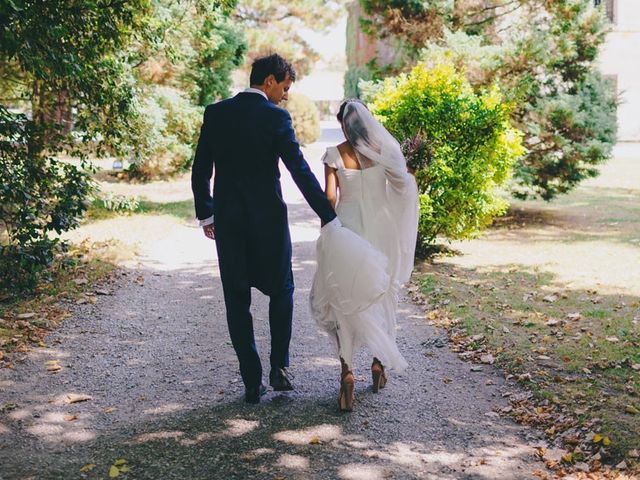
(331, 185)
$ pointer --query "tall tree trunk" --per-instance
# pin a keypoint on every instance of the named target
(51, 111)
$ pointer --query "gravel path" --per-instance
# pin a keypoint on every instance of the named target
(166, 398)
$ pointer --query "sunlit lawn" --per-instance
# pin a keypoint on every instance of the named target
(552, 292)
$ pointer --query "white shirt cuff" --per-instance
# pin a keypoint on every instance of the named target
(205, 222)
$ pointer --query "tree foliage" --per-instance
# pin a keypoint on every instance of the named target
(167, 127)
(195, 47)
(542, 53)
(272, 26)
(68, 67)
(75, 78)
(471, 147)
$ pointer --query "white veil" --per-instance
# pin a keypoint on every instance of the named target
(375, 145)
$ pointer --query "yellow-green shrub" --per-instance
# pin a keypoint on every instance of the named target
(472, 147)
(305, 117)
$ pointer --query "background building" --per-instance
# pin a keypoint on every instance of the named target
(620, 59)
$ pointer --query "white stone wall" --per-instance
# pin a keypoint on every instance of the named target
(621, 57)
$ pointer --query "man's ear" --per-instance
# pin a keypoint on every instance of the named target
(270, 80)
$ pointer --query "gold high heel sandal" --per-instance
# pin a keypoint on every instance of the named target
(378, 376)
(345, 400)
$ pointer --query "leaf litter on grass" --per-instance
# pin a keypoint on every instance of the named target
(577, 367)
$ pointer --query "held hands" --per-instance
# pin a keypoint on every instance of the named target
(209, 231)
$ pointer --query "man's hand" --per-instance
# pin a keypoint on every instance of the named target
(209, 231)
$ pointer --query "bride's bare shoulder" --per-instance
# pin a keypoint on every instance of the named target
(344, 147)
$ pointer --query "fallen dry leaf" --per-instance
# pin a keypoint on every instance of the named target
(622, 465)
(613, 339)
(114, 471)
(88, 467)
(26, 316)
(314, 441)
(70, 418)
(631, 409)
(77, 398)
(550, 298)
(488, 358)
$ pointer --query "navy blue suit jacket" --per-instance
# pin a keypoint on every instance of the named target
(245, 136)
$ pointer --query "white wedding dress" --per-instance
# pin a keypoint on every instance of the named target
(362, 265)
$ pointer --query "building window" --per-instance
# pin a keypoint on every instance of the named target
(610, 6)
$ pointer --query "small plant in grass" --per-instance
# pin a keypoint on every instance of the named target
(119, 203)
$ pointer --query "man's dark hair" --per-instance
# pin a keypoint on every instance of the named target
(273, 64)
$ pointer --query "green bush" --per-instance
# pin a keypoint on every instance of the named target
(305, 116)
(569, 135)
(471, 147)
(569, 124)
(169, 125)
(352, 78)
(39, 196)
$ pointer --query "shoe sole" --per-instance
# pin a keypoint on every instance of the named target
(379, 380)
(282, 389)
(345, 400)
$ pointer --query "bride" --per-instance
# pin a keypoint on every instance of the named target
(361, 267)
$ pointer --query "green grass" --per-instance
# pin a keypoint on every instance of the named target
(588, 371)
(183, 210)
(596, 313)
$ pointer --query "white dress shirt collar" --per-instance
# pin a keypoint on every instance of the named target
(255, 90)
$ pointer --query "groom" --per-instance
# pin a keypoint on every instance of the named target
(245, 137)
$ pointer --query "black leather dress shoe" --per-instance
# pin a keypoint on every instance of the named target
(280, 380)
(253, 394)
